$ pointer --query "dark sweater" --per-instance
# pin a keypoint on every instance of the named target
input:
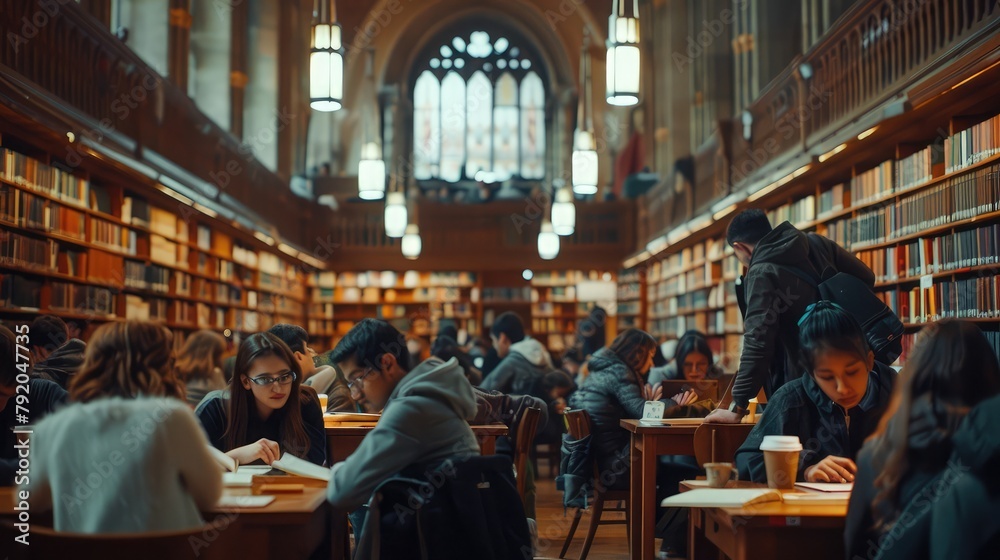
(62, 364)
(212, 414)
(44, 397)
(773, 298)
(800, 408)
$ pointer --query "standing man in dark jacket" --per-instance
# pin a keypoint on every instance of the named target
(773, 297)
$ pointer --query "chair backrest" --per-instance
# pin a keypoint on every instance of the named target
(579, 423)
(215, 541)
(717, 443)
(523, 443)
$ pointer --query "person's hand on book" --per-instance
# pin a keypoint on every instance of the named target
(652, 392)
(832, 469)
(263, 449)
(685, 398)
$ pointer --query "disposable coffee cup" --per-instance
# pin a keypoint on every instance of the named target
(781, 459)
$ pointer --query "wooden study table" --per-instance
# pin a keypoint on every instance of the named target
(769, 530)
(649, 441)
(342, 438)
(297, 525)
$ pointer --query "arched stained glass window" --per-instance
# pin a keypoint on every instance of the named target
(478, 107)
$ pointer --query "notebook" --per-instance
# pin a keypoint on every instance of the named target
(293, 465)
(722, 497)
(244, 501)
(225, 461)
(351, 417)
(817, 498)
(837, 487)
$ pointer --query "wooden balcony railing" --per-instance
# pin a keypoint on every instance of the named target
(876, 51)
(478, 237)
(63, 62)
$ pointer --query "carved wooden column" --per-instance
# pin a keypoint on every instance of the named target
(238, 67)
(179, 42)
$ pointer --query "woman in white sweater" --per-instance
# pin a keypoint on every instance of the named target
(129, 455)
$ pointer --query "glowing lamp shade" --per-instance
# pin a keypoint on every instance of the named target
(326, 68)
(548, 242)
(411, 242)
(623, 53)
(563, 213)
(395, 214)
(584, 164)
(371, 173)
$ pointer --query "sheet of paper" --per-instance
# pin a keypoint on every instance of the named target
(293, 465)
(816, 498)
(722, 497)
(237, 479)
(826, 486)
(244, 501)
(254, 469)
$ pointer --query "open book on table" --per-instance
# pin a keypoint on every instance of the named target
(299, 467)
(743, 497)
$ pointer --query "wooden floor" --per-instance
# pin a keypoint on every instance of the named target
(609, 543)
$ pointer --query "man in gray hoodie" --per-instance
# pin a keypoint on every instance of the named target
(425, 411)
(525, 361)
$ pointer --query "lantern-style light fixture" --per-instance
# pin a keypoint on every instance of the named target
(371, 168)
(412, 244)
(395, 214)
(548, 242)
(326, 59)
(584, 161)
(563, 212)
(623, 53)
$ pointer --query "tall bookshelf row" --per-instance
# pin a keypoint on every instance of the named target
(414, 302)
(95, 251)
(631, 298)
(694, 289)
(927, 223)
(418, 302)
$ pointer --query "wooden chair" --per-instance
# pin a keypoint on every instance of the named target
(523, 444)
(214, 541)
(715, 443)
(580, 427)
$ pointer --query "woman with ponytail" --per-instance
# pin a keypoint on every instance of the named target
(832, 407)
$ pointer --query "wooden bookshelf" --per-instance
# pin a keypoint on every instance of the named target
(632, 298)
(93, 245)
(558, 305)
(408, 300)
(927, 222)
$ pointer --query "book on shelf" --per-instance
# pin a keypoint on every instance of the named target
(135, 211)
(105, 268)
(30, 173)
(916, 169)
(972, 145)
(872, 184)
(162, 222)
(204, 240)
(28, 252)
(18, 291)
(797, 213)
(830, 201)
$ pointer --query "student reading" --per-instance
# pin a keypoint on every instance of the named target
(832, 408)
(128, 454)
(266, 411)
(936, 444)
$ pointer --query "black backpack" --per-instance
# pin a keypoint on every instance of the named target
(883, 328)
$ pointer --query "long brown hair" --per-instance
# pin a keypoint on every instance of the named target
(241, 400)
(951, 369)
(202, 353)
(634, 347)
(129, 359)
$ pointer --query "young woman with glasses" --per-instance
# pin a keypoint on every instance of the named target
(266, 410)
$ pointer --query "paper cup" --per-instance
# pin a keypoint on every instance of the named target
(718, 474)
(781, 459)
(322, 401)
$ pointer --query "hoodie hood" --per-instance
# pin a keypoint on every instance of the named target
(976, 442)
(62, 363)
(533, 351)
(784, 246)
(443, 382)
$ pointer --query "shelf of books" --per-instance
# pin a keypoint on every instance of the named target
(86, 249)
(631, 297)
(414, 302)
(560, 299)
(927, 223)
(695, 289)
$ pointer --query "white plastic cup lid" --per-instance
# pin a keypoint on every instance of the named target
(781, 443)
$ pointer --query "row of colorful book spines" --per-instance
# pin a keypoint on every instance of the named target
(911, 340)
(972, 298)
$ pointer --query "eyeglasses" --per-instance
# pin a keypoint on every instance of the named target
(356, 385)
(267, 380)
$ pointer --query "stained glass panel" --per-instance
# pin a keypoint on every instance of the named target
(426, 126)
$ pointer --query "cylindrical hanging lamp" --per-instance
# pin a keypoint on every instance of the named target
(326, 59)
(623, 53)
